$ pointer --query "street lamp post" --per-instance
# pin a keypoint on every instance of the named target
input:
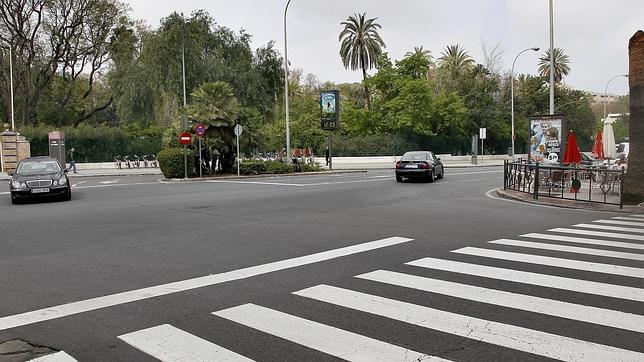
(582, 99)
(13, 122)
(288, 135)
(552, 61)
(512, 92)
(606, 91)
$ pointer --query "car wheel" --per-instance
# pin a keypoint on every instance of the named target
(440, 176)
(399, 178)
(431, 176)
(67, 195)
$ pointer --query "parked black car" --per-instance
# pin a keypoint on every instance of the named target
(39, 177)
(419, 164)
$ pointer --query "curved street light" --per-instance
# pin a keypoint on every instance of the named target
(582, 99)
(288, 135)
(606, 91)
(512, 91)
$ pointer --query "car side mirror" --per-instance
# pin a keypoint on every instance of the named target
(66, 170)
(10, 173)
(438, 158)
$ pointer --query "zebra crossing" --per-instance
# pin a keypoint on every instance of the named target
(168, 343)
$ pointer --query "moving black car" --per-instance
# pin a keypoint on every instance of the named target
(419, 164)
(39, 177)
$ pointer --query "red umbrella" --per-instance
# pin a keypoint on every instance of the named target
(572, 154)
(598, 148)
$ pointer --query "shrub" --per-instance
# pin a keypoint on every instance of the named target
(171, 162)
(252, 167)
(310, 167)
(278, 167)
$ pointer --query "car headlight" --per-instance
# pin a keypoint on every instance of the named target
(55, 183)
(62, 181)
(16, 184)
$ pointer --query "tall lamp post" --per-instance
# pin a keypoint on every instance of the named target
(13, 122)
(552, 61)
(606, 91)
(512, 91)
(288, 134)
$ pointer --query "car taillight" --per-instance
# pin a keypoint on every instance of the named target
(398, 164)
(424, 165)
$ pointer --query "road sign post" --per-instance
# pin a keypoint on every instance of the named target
(200, 130)
(482, 136)
(238, 131)
(184, 139)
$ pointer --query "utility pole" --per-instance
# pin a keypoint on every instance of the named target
(552, 63)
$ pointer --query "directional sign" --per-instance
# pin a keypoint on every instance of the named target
(200, 130)
(238, 130)
(483, 133)
(185, 138)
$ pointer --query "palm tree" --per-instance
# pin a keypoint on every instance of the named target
(633, 185)
(360, 45)
(562, 64)
(455, 59)
(420, 51)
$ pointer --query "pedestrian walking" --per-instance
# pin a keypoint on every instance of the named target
(72, 163)
(326, 155)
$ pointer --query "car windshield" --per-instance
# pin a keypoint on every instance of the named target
(33, 167)
(621, 148)
(414, 156)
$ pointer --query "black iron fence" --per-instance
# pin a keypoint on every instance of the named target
(589, 184)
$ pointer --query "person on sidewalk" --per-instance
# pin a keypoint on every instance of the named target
(326, 156)
(72, 163)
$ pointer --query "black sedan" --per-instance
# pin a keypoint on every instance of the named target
(39, 177)
(419, 164)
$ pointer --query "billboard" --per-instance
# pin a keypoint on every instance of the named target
(546, 139)
(330, 105)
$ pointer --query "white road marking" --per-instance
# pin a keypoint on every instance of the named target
(55, 357)
(583, 313)
(78, 183)
(117, 185)
(610, 228)
(572, 239)
(633, 215)
(168, 343)
(333, 341)
(474, 179)
(64, 310)
(569, 249)
(556, 262)
(597, 233)
(108, 182)
(631, 218)
(549, 281)
(619, 222)
(254, 183)
(345, 182)
(500, 334)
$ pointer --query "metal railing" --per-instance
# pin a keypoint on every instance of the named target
(588, 184)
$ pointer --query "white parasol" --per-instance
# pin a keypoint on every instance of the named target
(608, 140)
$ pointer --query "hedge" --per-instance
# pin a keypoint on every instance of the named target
(171, 162)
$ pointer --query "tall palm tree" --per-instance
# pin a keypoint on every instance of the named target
(562, 64)
(633, 185)
(360, 45)
(455, 59)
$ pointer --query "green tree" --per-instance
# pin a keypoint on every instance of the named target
(561, 64)
(455, 59)
(361, 45)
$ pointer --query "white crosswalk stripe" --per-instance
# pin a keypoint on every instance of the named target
(598, 233)
(544, 280)
(641, 216)
(572, 239)
(168, 343)
(610, 228)
(555, 262)
(619, 222)
(55, 357)
(529, 303)
(334, 341)
(569, 249)
(631, 218)
(518, 338)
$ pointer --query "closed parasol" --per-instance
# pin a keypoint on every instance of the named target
(572, 154)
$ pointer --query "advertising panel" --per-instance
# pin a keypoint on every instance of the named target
(330, 105)
(546, 139)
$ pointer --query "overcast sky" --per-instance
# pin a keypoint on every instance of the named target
(594, 33)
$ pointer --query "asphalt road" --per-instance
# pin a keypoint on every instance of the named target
(134, 268)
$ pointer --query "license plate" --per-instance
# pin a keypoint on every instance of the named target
(39, 191)
(411, 166)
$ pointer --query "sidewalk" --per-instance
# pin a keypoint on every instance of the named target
(567, 203)
(339, 163)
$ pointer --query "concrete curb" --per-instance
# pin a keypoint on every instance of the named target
(242, 177)
(568, 204)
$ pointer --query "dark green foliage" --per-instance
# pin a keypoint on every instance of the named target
(252, 167)
(278, 167)
(310, 167)
(171, 162)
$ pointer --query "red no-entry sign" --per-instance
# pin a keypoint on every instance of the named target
(185, 138)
